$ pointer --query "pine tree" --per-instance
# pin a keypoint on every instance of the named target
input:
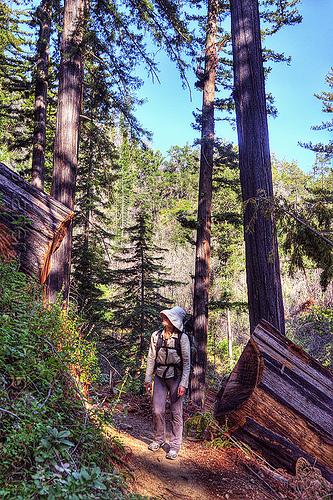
(179, 192)
(209, 78)
(227, 220)
(66, 145)
(138, 300)
(289, 180)
(92, 240)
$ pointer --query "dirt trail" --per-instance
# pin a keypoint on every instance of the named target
(201, 472)
(198, 473)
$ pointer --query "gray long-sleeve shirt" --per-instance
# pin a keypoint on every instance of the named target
(172, 357)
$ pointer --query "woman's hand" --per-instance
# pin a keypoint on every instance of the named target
(181, 391)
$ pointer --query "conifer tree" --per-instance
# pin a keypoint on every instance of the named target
(289, 181)
(277, 18)
(326, 97)
(92, 238)
(139, 280)
(203, 251)
(307, 229)
(93, 221)
(262, 259)
(16, 91)
(43, 51)
(227, 223)
(66, 145)
(307, 225)
(108, 24)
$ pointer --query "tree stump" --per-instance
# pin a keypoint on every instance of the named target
(32, 224)
(278, 399)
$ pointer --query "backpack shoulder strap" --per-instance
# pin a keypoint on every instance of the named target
(159, 340)
(177, 344)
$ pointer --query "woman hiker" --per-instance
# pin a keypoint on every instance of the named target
(169, 353)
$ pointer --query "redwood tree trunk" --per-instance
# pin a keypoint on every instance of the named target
(39, 139)
(262, 260)
(66, 146)
(202, 263)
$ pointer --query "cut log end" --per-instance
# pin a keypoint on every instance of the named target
(54, 245)
(240, 385)
(279, 400)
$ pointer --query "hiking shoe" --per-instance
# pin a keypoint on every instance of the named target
(171, 455)
(155, 446)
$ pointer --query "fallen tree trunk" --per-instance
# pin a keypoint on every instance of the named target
(279, 400)
(32, 224)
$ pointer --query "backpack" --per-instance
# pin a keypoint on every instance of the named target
(187, 330)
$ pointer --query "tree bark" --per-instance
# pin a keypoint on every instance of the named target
(262, 260)
(39, 139)
(229, 336)
(202, 262)
(32, 224)
(66, 146)
(279, 400)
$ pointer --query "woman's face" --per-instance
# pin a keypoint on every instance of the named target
(166, 322)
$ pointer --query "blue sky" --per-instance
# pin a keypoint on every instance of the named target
(168, 111)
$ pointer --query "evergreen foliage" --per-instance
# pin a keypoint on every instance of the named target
(227, 206)
(17, 87)
(324, 151)
(138, 299)
(16, 67)
(94, 196)
(308, 235)
(290, 181)
(179, 194)
(303, 212)
(274, 15)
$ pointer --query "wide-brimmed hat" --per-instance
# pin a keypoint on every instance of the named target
(176, 315)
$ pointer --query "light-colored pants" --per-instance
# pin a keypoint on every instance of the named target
(160, 393)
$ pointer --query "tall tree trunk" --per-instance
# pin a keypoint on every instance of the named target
(229, 336)
(39, 139)
(262, 260)
(66, 146)
(202, 263)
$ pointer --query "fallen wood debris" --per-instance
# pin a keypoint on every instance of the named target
(279, 400)
(32, 224)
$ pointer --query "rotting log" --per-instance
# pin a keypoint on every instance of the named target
(278, 399)
(32, 224)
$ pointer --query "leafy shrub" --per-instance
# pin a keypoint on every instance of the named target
(49, 446)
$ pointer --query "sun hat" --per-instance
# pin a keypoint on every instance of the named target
(176, 315)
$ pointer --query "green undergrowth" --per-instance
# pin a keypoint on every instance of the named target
(50, 446)
(204, 426)
(312, 330)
